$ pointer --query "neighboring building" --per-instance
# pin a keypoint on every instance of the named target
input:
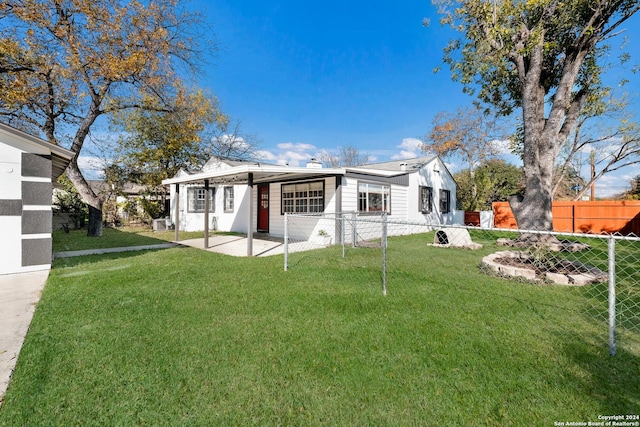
(28, 166)
(124, 202)
(252, 197)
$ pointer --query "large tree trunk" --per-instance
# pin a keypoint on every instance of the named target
(94, 228)
(544, 135)
(533, 211)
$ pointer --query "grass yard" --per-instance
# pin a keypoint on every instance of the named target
(187, 337)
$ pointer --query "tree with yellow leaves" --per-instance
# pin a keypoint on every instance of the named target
(468, 133)
(66, 63)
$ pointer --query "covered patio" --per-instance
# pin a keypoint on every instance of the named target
(249, 175)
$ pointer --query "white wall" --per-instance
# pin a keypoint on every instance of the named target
(434, 175)
(219, 219)
(237, 221)
(10, 167)
(10, 226)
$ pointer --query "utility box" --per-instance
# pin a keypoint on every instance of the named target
(161, 224)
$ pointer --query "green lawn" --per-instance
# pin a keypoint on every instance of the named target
(186, 337)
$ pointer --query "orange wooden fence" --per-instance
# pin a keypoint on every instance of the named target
(611, 216)
(472, 218)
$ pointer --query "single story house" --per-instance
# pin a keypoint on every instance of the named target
(28, 167)
(250, 197)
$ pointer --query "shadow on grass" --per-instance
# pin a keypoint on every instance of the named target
(111, 238)
(88, 260)
(611, 381)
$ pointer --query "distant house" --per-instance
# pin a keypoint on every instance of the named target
(28, 166)
(124, 202)
(250, 197)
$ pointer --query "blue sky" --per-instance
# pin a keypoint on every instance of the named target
(308, 77)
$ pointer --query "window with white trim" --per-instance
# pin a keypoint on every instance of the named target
(426, 199)
(303, 197)
(228, 199)
(445, 201)
(374, 197)
(196, 197)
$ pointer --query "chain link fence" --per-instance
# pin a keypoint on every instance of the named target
(602, 271)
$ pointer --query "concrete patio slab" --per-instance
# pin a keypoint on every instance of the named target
(237, 245)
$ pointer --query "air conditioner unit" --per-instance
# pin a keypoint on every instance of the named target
(161, 224)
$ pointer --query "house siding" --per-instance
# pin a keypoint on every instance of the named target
(310, 227)
(441, 180)
(25, 204)
(404, 199)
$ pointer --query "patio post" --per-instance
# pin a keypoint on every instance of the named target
(250, 216)
(176, 215)
(206, 213)
(338, 227)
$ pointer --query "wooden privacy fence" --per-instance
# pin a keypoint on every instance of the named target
(610, 216)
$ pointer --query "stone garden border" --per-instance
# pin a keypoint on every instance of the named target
(590, 274)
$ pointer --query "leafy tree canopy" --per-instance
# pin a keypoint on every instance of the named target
(66, 63)
(543, 58)
(493, 181)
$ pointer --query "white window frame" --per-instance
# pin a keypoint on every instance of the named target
(368, 193)
(425, 205)
(196, 198)
(445, 201)
(302, 197)
(228, 199)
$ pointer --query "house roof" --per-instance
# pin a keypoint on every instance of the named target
(239, 171)
(410, 165)
(214, 161)
(60, 157)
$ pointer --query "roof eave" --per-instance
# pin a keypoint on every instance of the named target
(254, 169)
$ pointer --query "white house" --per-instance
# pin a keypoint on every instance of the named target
(28, 166)
(249, 197)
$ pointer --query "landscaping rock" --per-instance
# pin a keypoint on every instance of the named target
(557, 278)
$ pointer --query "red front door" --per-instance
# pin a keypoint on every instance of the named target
(263, 208)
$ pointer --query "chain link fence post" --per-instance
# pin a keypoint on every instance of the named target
(286, 241)
(612, 295)
(342, 231)
(384, 253)
(354, 231)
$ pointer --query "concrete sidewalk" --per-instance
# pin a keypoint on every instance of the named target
(102, 251)
(19, 295)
